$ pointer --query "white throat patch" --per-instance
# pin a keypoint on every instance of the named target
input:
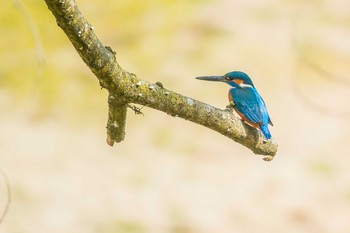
(246, 85)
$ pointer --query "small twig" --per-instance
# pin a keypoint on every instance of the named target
(116, 120)
(136, 110)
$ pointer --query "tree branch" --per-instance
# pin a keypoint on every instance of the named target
(125, 87)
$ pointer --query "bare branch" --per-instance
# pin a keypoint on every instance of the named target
(116, 120)
(125, 88)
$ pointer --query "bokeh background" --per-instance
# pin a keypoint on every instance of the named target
(170, 175)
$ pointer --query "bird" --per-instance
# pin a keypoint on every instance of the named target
(245, 100)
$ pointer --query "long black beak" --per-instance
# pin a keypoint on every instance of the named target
(212, 78)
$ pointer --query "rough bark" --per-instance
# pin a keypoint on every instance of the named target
(124, 88)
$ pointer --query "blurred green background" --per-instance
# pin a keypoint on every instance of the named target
(170, 175)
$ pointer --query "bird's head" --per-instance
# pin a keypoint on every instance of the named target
(234, 79)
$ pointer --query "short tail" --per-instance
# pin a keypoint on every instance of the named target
(265, 131)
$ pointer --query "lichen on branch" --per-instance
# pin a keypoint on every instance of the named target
(125, 88)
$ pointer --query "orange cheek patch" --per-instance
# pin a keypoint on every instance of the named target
(238, 81)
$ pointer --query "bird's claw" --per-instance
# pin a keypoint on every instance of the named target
(229, 107)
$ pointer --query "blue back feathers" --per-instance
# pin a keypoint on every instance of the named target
(248, 101)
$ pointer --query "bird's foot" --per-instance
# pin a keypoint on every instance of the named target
(229, 107)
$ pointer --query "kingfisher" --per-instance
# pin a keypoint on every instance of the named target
(245, 100)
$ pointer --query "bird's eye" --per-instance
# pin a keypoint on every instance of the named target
(227, 78)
